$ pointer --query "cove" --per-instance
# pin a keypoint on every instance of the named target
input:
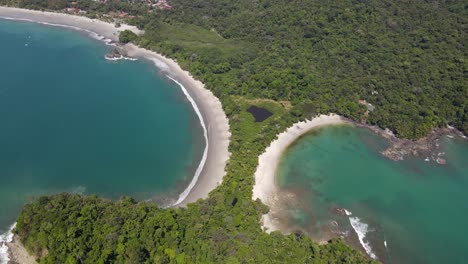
(72, 121)
(409, 211)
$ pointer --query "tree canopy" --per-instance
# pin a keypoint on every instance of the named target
(295, 58)
(127, 36)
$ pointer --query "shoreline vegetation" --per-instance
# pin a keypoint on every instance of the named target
(218, 137)
(267, 190)
(226, 226)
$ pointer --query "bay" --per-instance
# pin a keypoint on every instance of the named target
(71, 121)
(410, 211)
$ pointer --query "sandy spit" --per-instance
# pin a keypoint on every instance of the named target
(265, 187)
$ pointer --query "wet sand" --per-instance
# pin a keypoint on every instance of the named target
(265, 187)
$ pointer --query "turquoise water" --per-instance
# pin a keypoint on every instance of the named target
(419, 209)
(72, 121)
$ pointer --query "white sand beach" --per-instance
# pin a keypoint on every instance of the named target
(214, 121)
(265, 187)
(104, 29)
(211, 172)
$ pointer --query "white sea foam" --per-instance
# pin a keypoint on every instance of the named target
(113, 58)
(162, 66)
(92, 34)
(185, 193)
(361, 230)
(120, 58)
(5, 238)
(49, 24)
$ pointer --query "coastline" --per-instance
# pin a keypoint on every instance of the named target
(214, 121)
(265, 187)
(207, 106)
(18, 253)
(98, 29)
(183, 79)
(267, 190)
(211, 169)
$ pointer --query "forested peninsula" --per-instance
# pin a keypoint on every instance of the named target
(396, 64)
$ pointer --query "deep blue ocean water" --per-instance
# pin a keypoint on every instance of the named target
(71, 121)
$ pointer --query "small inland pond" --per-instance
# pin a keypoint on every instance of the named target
(260, 114)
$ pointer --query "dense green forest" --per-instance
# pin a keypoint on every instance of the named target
(406, 58)
(78, 229)
(221, 229)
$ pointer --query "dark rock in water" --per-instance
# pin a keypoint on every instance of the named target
(260, 114)
(400, 148)
(115, 53)
(339, 211)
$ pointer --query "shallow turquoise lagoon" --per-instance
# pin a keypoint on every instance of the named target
(410, 211)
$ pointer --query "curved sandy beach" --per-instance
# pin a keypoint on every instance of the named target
(215, 123)
(208, 108)
(265, 176)
(206, 105)
(107, 30)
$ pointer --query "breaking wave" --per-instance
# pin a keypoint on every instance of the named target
(4, 239)
(162, 66)
(186, 192)
(361, 230)
(93, 34)
(120, 58)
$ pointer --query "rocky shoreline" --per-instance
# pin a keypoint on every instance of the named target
(18, 253)
(426, 147)
(118, 53)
